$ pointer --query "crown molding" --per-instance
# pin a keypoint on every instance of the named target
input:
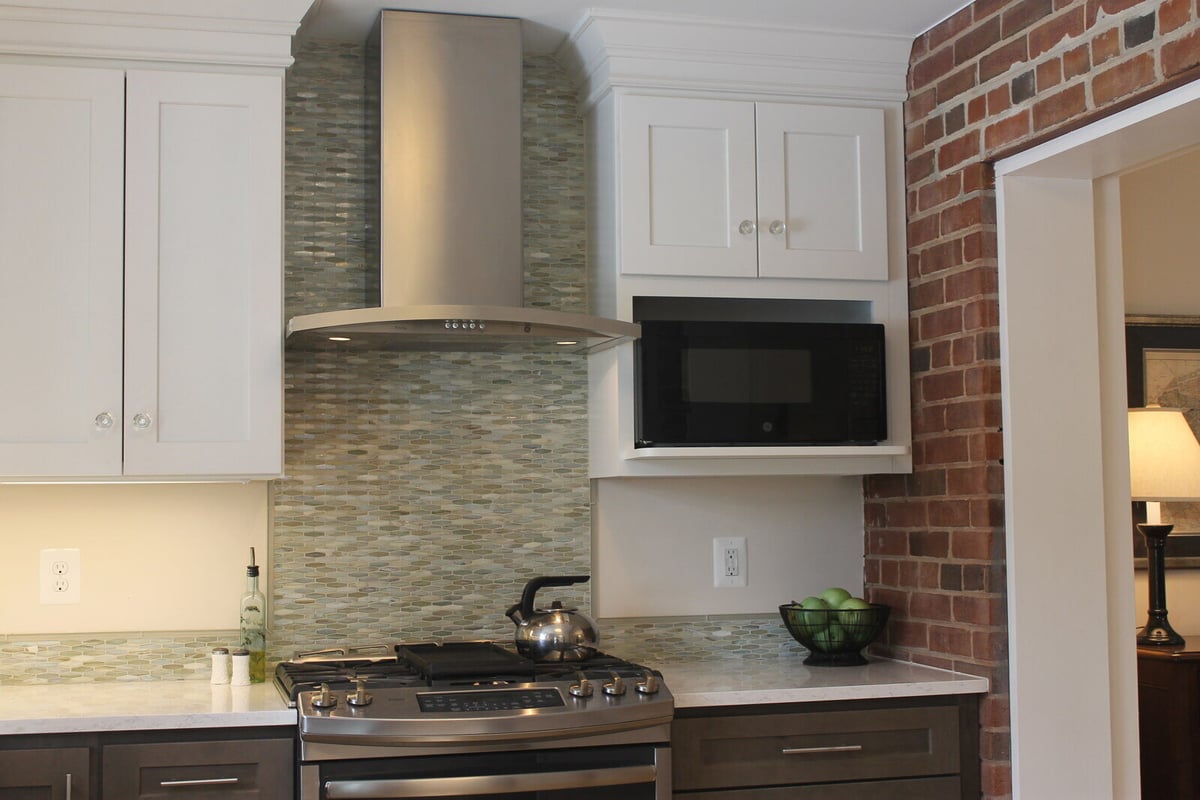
(608, 50)
(255, 34)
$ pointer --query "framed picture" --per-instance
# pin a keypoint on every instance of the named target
(1162, 367)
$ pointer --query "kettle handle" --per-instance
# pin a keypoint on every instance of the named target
(535, 584)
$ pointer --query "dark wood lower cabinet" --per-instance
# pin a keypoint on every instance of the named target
(45, 773)
(194, 764)
(903, 749)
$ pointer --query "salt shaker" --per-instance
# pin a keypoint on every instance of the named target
(241, 667)
(220, 665)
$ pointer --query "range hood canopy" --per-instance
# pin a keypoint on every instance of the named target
(451, 256)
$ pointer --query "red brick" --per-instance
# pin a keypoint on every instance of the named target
(980, 175)
(964, 351)
(914, 139)
(889, 573)
(930, 606)
(946, 450)
(982, 380)
(1003, 59)
(930, 574)
(907, 514)
(1057, 108)
(973, 479)
(877, 486)
(930, 68)
(955, 641)
(989, 645)
(1076, 62)
(942, 386)
(994, 712)
(1049, 74)
(942, 322)
(926, 295)
(1173, 14)
(949, 513)
(979, 610)
(958, 150)
(939, 355)
(954, 85)
(999, 100)
(930, 419)
(1180, 55)
(973, 545)
(923, 230)
(977, 246)
(919, 167)
(934, 130)
(985, 8)
(966, 214)
(1006, 131)
(1022, 14)
(981, 314)
(888, 543)
(908, 633)
(1053, 32)
(929, 544)
(871, 571)
(969, 283)
(976, 41)
(927, 483)
(996, 779)
(939, 192)
(898, 600)
(976, 109)
(948, 28)
(941, 256)
(1123, 79)
(910, 576)
(919, 106)
(1105, 46)
(989, 513)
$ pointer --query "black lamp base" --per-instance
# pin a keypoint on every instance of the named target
(1157, 630)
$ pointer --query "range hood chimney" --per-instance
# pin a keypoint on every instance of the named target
(451, 257)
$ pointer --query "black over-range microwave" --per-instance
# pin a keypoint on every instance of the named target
(720, 383)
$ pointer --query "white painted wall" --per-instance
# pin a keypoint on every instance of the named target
(652, 542)
(165, 557)
(1161, 241)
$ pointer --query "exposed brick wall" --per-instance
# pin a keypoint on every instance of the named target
(995, 78)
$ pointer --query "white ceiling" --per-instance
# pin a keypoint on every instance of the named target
(546, 22)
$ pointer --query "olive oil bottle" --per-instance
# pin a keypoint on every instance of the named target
(254, 623)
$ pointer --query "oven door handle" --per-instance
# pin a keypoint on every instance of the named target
(488, 784)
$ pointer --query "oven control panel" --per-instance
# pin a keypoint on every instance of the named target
(476, 700)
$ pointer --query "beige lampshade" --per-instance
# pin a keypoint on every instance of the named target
(1164, 456)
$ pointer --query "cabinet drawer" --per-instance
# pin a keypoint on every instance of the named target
(260, 769)
(814, 747)
(947, 788)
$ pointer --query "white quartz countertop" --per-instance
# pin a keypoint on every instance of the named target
(737, 682)
(140, 705)
(164, 705)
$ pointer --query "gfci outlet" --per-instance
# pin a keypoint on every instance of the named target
(60, 576)
(729, 561)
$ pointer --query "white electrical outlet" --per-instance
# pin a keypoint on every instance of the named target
(729, 561)
(59, 576)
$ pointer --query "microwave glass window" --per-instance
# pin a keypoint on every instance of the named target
(737, 375)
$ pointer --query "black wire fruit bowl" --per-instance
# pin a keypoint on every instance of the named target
(834, 637)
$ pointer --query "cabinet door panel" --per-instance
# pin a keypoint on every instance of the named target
(203, 274)
(45, 774)
(821, 172)
(687, 182)
(61, 150)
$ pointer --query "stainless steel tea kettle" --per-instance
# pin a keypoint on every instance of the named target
(554, 633)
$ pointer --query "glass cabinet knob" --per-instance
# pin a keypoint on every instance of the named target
(777, 227)
(104, 420)
(747, 227)
(141, 420)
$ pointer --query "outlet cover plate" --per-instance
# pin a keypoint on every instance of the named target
(729, 562)
(59, 576)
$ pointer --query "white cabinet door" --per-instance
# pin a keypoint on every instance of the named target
(686, 187)
(822, 192)
(61, 146)
(203, 274)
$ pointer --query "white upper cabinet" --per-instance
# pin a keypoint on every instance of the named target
(61, 184)
(727, 188)
(141, 280)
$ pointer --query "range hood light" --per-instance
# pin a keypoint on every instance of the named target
(566, 343)
(339, 338)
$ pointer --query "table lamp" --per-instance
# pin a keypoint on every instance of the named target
(1164, 464)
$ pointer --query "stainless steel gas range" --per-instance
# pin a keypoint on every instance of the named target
(476, 720)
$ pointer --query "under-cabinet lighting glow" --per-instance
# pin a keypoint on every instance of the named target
(566, 343)
(339, 338)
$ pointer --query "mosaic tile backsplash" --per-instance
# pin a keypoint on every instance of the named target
(422, 489)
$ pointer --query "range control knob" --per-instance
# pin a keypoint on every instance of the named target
(359, 697)
(324, 698)
(581, 689)
(648, 685)
(615, 687)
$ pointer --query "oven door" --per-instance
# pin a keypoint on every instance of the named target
(602, 773)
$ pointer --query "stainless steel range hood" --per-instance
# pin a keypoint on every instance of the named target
(450, 201)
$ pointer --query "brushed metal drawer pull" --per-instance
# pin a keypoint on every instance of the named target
(836, 748)
(199, 782)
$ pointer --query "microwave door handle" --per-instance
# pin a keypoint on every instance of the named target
(389, 789)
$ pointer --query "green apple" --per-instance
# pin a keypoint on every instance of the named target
(814, 602)
(854, 612)
(812, 617)
(835, 596)
(830, 639)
